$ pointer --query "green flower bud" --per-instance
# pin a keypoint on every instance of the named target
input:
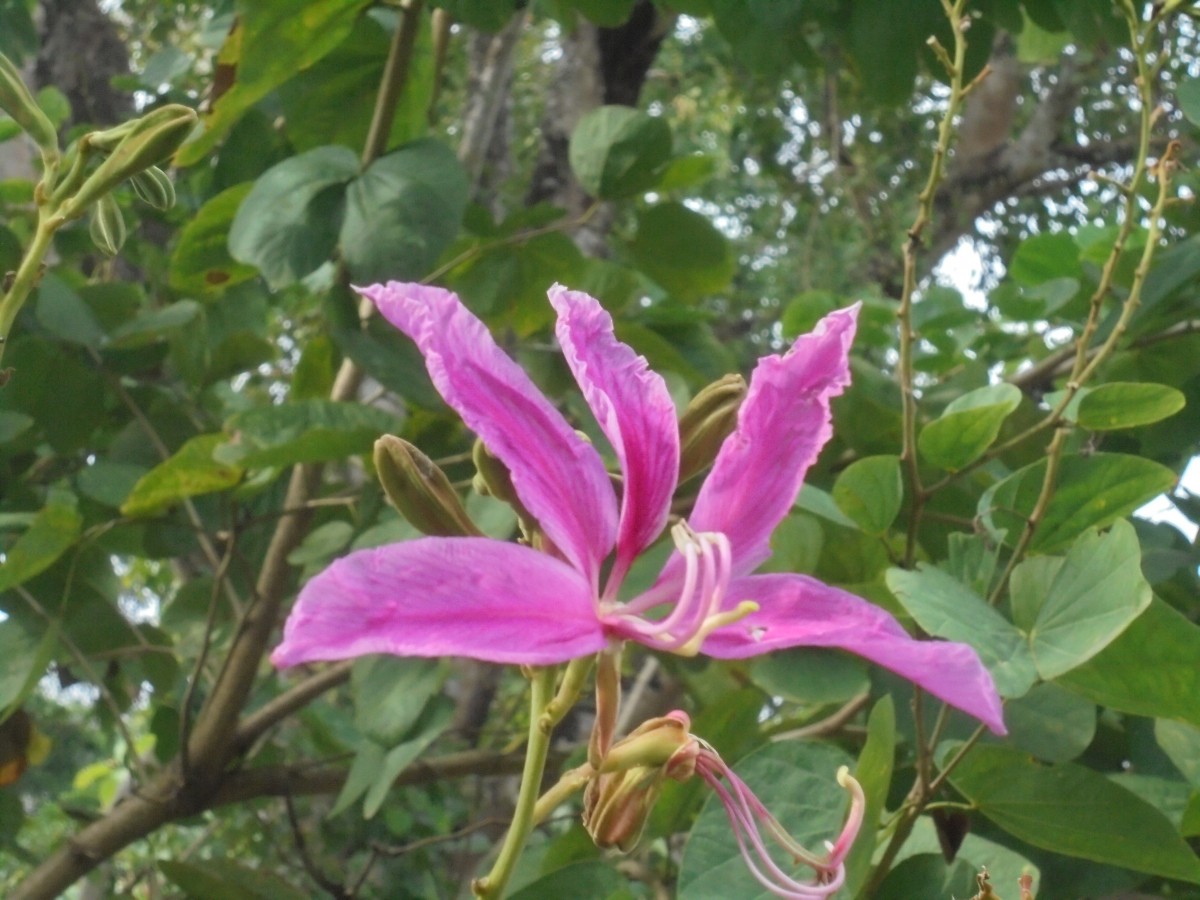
(492, 479)
(707, 421)
(619, 798)
(16, 100)
(420, 490)
(107, 225)
(145, 142)
(154, 187)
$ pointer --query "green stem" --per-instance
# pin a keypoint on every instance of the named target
(492, 885)
(27, 274)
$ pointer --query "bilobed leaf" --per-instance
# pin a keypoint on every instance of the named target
(617, 151)
(810, 675)
(1096, 593)
(1074, 811)
(304, 431)
(51, 533)
(190, 471)
(946, 608)
(869, 491)
(1128, 405)
(63, 313)
(682, 251)
(403, 212)
(201, 262)
(969, 425)
(288, 224)
(1150, 670)
(798, 781)
(1093, 492)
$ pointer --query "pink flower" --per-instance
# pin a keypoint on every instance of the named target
(502, 602)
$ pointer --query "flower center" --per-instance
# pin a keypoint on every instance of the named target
(708, 569)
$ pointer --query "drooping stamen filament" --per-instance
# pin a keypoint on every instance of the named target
(708, 569)
(749, 818)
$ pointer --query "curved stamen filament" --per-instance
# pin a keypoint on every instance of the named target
(708, 569)
(746, 813)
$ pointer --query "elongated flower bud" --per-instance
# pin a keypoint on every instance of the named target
(154, 187)
(16, 100)
(707, 421)
(107, 225)
(144, 143)
(420, 490)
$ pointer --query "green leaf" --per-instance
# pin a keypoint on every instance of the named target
(1128, 405)
(269, 45)
(683, 251)
(927, 875)
(228, 880)
(874, 772)
(1150, 670)
(64, 314)
(1094, 596)
(588, 880)
(945, 608)
(322, 543)
(797, 782)
(435, 719)
(1181, 743)
(391, 692)
(190, 471)
(13, 425)
(810, 675)
(1044, 257)
(1050, 722)
(109, 482)
(304, 431)
(969, 425)
(51, 534)
(26, 654)
(155, 324)
(1074, 811)
(201, 262)
(403, 212)
(686, 172)
(313, 378)
(1188, 97)
(618, 151)
(1093, 492)
(288, 224)
(870, 491)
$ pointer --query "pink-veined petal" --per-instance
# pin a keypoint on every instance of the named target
(798, 611)
(634, 409)
(559, 476)
(472, 597)
(782, 426)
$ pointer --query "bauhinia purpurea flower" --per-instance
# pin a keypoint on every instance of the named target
(509, 603)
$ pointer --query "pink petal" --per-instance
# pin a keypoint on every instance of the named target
(782, 426)
(798, 611)
(471, 597)
(634, 409)
(559, 476)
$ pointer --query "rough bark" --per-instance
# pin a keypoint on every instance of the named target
(81, 51)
